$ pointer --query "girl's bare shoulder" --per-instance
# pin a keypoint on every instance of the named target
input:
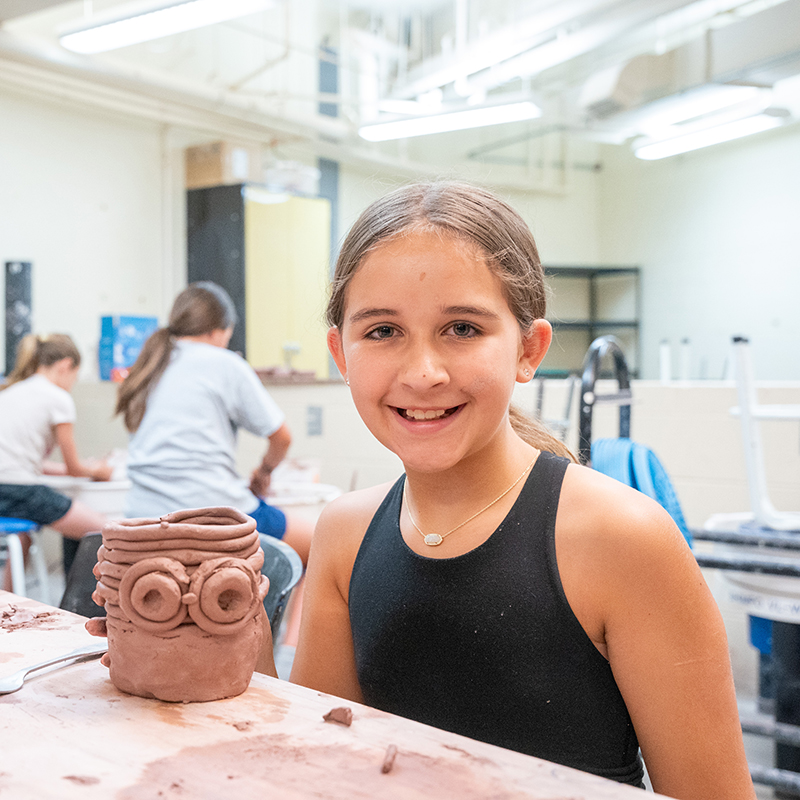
(355, 506)
(344, 521)
(605, 513)
(619, 553)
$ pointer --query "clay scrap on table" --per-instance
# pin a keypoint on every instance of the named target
(388, 759)
(343, 715)
(15, 618)
(183, 596)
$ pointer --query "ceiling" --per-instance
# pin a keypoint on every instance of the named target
(19, 8)
(314, 71)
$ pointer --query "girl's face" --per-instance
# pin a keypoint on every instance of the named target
(431, 349)
(72, 375)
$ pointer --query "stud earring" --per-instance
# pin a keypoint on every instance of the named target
(347, 381)
(527, 373)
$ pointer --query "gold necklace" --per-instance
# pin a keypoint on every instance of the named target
(434, 539)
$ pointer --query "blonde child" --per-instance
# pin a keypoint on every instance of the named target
(37, 413)
(498, 589)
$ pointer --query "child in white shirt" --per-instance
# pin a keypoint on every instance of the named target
(37, 413)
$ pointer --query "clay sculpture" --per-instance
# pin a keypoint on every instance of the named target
(183, 596)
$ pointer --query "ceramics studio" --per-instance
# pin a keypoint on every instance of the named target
(399, 400)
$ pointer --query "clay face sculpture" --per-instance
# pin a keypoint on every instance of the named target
(183, 596)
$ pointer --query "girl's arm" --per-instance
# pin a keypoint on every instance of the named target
(65, 438)
(324, 659)
(646, 604)
(277, 448)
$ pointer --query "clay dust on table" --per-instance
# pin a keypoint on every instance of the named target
(275, 766)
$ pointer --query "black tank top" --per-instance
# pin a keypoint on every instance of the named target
(485, 644)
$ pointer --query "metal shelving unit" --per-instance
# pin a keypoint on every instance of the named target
(588, 302)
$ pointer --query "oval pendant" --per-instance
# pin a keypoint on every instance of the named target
(433, 539)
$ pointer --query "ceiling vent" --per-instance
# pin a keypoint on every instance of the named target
(641, 80)
(758, 50)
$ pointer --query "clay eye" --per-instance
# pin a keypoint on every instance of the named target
(227, 595)
(151, 594)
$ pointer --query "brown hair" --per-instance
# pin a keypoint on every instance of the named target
(41, 351)
(469, 213)
(200, 308)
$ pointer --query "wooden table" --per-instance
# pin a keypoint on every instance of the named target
(70, 733)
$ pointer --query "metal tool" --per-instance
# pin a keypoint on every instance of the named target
(13, 682)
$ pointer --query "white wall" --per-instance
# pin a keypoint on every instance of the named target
(564, 224)
(715, 232)
(81, 199)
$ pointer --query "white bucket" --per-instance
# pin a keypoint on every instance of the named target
(775, 597)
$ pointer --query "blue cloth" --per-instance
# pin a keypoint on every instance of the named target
(638, 466)
(269, 520)
(761, 634)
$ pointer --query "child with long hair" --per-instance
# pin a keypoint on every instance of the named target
(498, 589)
(37, 413)
(183, 401)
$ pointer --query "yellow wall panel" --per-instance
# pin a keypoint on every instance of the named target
(287, 252)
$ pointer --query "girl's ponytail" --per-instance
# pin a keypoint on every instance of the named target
(536, 434)
(150, 365)
(26, 362)
(41, 351)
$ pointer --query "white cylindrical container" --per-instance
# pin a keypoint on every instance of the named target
(685, 360)
(665, 361)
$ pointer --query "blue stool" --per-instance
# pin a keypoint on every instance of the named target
(10, 530)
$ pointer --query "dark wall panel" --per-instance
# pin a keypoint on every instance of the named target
(18, 307)
(215, 246)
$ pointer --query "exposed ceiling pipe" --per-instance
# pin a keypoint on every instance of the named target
(168, 88)
(552, 38)
(613, 26)
(49, 73)
(271, 62)
(505, 43)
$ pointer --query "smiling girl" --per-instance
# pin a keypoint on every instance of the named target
(498, 589)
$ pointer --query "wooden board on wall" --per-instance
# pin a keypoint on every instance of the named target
(287, 254)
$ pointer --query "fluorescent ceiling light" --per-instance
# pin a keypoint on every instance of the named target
(153, 21)
(697, 103)
(699, 107)
(651, 151)
(452, 121)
